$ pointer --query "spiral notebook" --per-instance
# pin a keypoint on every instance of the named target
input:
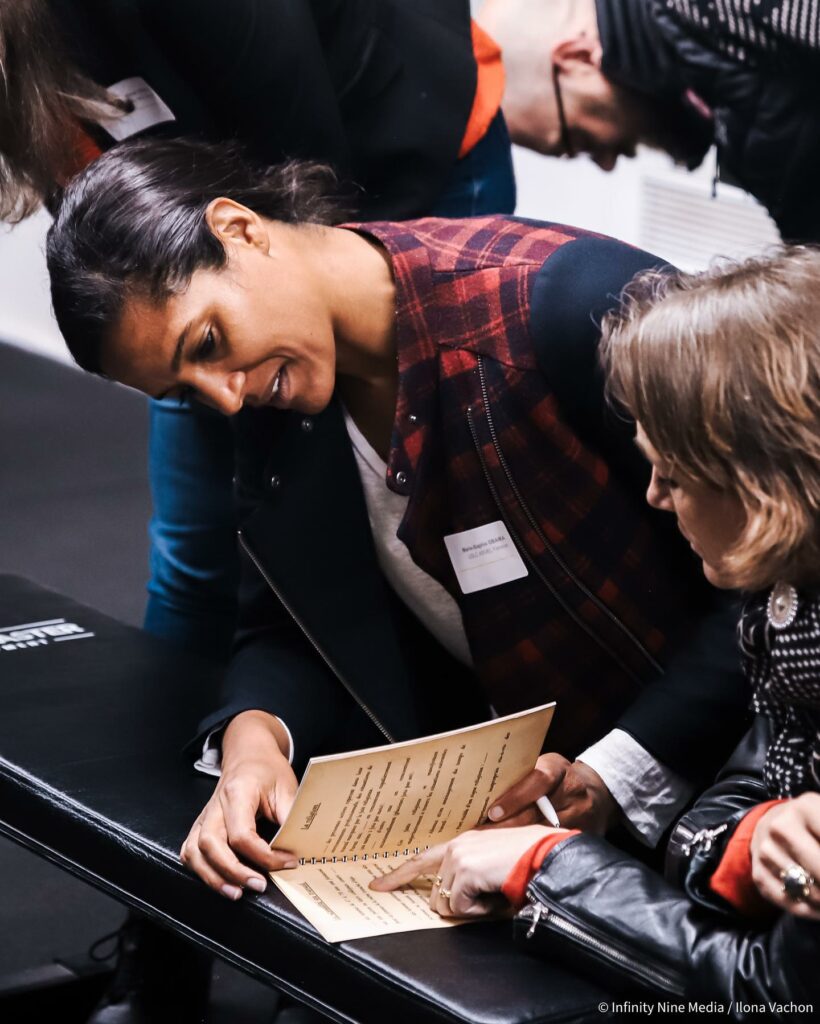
(357, 815)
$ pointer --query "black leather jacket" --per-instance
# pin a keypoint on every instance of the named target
(606, 914)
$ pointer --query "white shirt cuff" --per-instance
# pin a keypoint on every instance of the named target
(210, 760)
(649, 794)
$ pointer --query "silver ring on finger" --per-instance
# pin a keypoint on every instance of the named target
(797, 882)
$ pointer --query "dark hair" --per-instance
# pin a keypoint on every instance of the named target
(42, 97)
(133, 223)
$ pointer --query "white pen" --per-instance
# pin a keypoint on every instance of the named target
(546, 808)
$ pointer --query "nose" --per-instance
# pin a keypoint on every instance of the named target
(606, 160)
(657, 495)
(223, 391)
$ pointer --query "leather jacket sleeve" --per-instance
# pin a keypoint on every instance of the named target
(700, 836)
(602, 912)
(605, 913)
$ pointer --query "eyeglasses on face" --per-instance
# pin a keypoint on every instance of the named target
(567, 148)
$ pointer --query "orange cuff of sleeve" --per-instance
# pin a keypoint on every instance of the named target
(732, 878)
(489, 88)
(515, 885)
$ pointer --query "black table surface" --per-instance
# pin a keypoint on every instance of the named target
(92, 777)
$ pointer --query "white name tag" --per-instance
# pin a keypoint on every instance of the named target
(484, 557)
(149, 109)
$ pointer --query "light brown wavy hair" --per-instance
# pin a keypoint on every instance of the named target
(722, 371)
(42, 97)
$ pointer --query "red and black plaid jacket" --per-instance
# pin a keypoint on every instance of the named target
(497, 344)
(479, 436)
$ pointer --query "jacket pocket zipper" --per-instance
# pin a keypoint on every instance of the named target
(309, 637)
(702, 840)
(537, 913)
(559, 561)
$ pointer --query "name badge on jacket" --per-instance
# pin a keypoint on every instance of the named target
(484, 557)
(149, 109)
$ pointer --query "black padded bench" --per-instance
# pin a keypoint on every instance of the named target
(92, 778)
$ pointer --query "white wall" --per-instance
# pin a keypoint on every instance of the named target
(25, 306)
(579, 193)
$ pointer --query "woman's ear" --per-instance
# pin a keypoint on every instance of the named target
(580, 51)
(235, 224)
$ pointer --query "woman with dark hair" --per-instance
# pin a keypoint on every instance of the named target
(388, 92)
(720, 371)
(407, 398)
(398, 95)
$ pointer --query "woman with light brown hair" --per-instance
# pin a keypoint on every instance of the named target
(721, 372)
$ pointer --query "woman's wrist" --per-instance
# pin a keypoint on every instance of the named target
(525, 868)
(254, 734)
(732, 878)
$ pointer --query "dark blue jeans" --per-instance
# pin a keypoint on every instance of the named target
(194, 561)
(482, 182)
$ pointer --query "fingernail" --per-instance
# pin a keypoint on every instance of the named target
(495, 813)
(233, 892)
(291, 864)
(257, 884)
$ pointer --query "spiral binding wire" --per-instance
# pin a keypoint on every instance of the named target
(354, 858)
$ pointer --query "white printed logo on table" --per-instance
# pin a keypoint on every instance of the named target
(40, 634)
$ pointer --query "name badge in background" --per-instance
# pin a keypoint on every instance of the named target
(484, 557)
(149, 109)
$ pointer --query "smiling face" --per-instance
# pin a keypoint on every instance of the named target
(255, 332)
(710, 519)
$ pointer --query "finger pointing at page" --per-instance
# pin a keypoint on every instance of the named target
(426, 863)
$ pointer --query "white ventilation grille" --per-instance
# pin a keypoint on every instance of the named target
(681, 222)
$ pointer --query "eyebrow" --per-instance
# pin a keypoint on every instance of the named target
(176, 359)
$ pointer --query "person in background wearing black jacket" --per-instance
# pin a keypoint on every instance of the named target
(398, 95)
(720, 370)
(602, 76)
(395, 386)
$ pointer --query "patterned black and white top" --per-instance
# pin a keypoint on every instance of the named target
(744, 28)
(783, 666)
